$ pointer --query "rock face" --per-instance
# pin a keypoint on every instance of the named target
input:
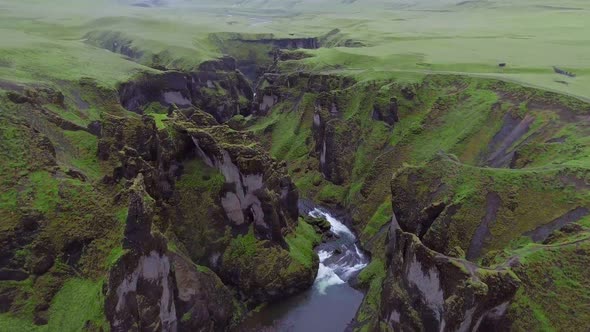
(449, 266)
(387, 114)
(202, 301)
(257, 200)
(427, 291)
(148, 283)
(329, 130)
(140, 288)
(258, 190)
(329, 133)
(256, 197)
(143, 294)
(133, 147)
(259, 209)
(289, 43)
(217, 87)
(499, 153)
(429, 201)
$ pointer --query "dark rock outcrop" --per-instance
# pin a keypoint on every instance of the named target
(257, 194)
(140, 292)
(217, 87)
(37, 95)
(500, 153)
(152, 289)
(330, 131)
(203, 303)
(388, 114)
(258, 190)
(285, 43)
(427, 291)
(258, 204)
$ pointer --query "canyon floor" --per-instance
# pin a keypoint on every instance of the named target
(159, 161)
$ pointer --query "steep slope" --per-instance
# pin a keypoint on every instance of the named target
(482, 168)
(123, 205)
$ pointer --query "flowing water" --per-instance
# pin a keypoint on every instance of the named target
(331, 303)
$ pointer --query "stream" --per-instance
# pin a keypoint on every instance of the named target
(331, 303)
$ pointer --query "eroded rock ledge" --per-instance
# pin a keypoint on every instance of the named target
(254, 184)
(217, 87)
(153, 289)
(428, 291)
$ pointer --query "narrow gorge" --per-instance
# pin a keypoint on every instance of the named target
(256, 192)
(331, 303)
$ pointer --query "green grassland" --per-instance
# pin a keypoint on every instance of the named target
(43, 41)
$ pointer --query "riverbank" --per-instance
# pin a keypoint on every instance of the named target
(331, 303)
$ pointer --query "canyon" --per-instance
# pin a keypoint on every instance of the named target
(257, 191)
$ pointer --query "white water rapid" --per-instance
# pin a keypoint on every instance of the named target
(331, 303)
(340, 259)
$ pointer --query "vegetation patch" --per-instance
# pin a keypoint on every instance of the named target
(85, 158)
(556, 287)
(78, 304)
(302, 242)
(381, 218)
(372, 279)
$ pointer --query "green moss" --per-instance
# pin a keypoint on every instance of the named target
(160, 120)
(308, 182)
(555, 289)
(331, 193)
(200, 227)
(585, 222)
(186, 317)
(460, 264)
(77, 305)
(242, 247)
(371, 277)
(10, 323)
(22, 254)
(381, 217)
(79, 301)
(159, 113)
(204, 269)
(527, 200)
(532, 316)
(198, 176)
(291, 129)
(302, 242)
(85, 155)
(114, 256)
(122, 214)
(260, 266)
(9, 200)
(454, 120)
(13, 159)
(376, 269)
(45, 191)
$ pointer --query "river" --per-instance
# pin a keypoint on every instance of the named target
(331, 303)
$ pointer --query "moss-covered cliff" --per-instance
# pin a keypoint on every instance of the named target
(119, 207)
(482, 170)
(169, 201)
